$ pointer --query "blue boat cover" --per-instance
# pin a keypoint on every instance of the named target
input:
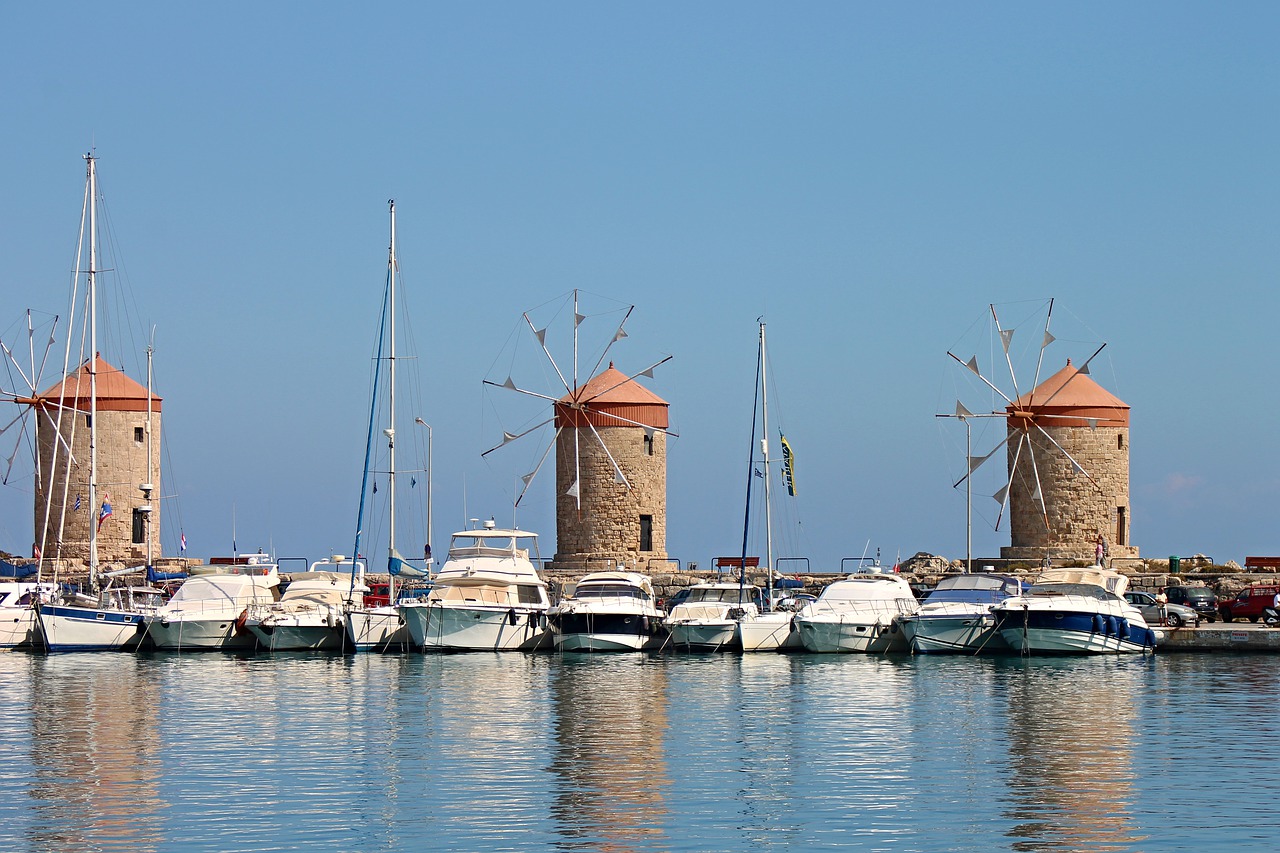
(13, 570)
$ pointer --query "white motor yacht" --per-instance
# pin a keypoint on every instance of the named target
(312, 609)
(208, 611)
(608, 611)
(1080, 611)
(708, 619)
(487, 595)
(857, 614)
(956, 617)
(19, 626)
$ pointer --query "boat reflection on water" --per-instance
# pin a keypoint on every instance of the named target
(95, 754)
(1073, 726)
(610, 720)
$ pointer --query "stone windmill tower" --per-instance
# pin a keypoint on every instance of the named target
(1068, 454)
(611, 475)
(128, 467)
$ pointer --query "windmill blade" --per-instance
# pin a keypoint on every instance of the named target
(648, 428)
(1076, 466)
(617, 471)
(8, 468)
(1084, 368)
(617, 336)
(541, 335)
(1037, 495)
(574, 490)
(511, 386)
(528, 478)
(962, 412)
(648, 371)
(1045, 341)
(1013, 469)
(508, 437)
(1006, 336)
(975, 462)
(57, 432)
(972, 364)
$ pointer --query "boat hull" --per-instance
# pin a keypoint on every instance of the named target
(589, 631)
(433, 627)
(18, 628)
(705, 635)
(952, 634)
(205, 634)
(768, 632)
(285, 637)
(1057, 632)
(376, 629)
(850, 635)
(68, 629)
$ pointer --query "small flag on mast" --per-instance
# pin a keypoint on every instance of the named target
(105, 512)
(182, 548)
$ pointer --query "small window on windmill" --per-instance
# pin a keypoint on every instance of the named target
(139, 434)
(88, 421)
(646, 533)
(1119, 441)
(139, 527)
(648, 444)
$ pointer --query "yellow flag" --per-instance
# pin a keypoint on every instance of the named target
(788, 465)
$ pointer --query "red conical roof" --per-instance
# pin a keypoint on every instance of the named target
(1071, 398)
(116, 392)
(611, 398)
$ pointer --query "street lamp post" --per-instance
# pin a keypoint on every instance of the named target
(963, 414)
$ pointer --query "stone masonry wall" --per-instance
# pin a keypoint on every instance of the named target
(1078, 508)
(606, 532)
(122, 467)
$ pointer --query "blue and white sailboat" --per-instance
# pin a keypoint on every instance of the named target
(380, 627)
(114, 619)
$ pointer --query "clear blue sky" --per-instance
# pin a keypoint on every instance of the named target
(868, 177)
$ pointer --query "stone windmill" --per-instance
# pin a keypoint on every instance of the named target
(1066, 446)
(610, 443)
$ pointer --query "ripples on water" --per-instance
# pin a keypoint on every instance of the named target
(635, 753)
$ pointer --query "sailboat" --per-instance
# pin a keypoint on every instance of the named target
(380, 627)
(115, 618)
(766, 629)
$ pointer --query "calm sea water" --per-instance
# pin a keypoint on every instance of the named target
(487, 752)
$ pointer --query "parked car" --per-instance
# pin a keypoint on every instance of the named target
(1250, 603)
(1199, 598)
(1157, 613)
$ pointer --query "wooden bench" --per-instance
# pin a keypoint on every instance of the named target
(726, 564)
(1272, 563)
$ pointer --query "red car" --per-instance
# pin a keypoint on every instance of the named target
(1250, 603)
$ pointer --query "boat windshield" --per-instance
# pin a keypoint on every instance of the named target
(1086, 589)
(610, 590)
(725, 595)
(976, 589)
(504, 595)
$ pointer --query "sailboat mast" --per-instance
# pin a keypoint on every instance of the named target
(94, 509)
(150, 472)
(764, 446)
(391, 402)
